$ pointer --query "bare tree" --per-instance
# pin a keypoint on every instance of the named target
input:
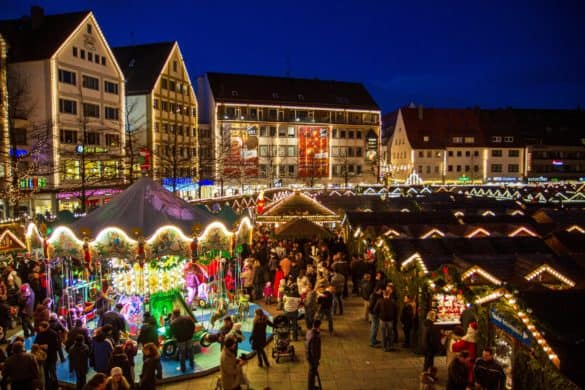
(136, 144)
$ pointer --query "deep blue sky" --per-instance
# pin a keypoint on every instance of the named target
(461, 54)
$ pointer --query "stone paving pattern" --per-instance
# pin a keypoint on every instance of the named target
(347, 363)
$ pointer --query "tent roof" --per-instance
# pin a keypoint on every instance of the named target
(302, 228)
(147, 206)
(298, 204)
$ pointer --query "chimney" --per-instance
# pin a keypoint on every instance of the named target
(420, 112)
(37, 15)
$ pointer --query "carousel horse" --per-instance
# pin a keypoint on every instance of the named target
(219, 313)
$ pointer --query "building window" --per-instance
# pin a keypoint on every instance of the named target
(112, 140)
(67, 77)
(74, 51)
(96, 59)
(92, 138)
(358, 151)
(469, 140)
(91, 110)
(263, 150)
(458, 168)
(459, 153)
(68, 137)
(291, 151)
(89, 56)
(421, 154)
(508, 139)
(436, 169)
(281, 151)
(476, 168)
(450, 168)
(172, 85)
(291, 132)
(513, 168)
(497, 153)
(426, 138)
(88, 29)
(91, 82)
(67, 106)
(467, 168)
(496, 168)
(82, 54)
(342, 134)
(110, 87)
(164, 105)
(457, 140)
(428, 169)
(450, 153)
(163, 83)
(334, 133)
(273, 131)
(513, 153)
(467, 153)
(291, 169)
(103, 61)
(282, 131)
(175, 66)
(476, 153)
(496, 139)
(111, 113)
(350, 134)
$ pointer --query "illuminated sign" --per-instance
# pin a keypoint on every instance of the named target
(181, 183)
(371, 148)
(464, 179)
(89, 192)
(90, 149)
(557, 163)
(313, 152)
(32, 183)
(17, 152)
(503, 179)
(241, 159)
(539, 179)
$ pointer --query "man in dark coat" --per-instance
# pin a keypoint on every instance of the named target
(385, 310)
(431, 340)
(21, 368)
(148, 330)
(458, 372)
(79, 359)
(313, 351)
(49, 340)
(488, 374)
(182, 329)
(116, 320)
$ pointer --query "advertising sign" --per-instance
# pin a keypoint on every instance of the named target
(313, 152)
(371, 146)
(514, 330)
(241, 157)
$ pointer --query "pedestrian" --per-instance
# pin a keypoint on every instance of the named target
(148, 330)
(50, 342)
(230, 367)
(117, 380)
(258, 336)
(385, 310)
(338, 283)
(407, 319)
(79, 359)
(61, 331)
(431, 340)
(116, 320)
(41, 358)
(489, 375)
(325, 301)
(20, 368)
(310, 305)
(458, 378)
(374, 319)
(268, 292)
(291, 311)
(151, 367)
(120, 359)
(27, 303)
(131, 350)
(313, 353)
(365, 292)
(97, 382)
(182, 329)
(101, 349)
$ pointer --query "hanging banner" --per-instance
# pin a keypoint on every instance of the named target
(241, 156)
(313, 152)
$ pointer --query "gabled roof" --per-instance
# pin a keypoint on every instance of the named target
(142, 65)
(298, 204)
(31, 42)
(302, 228)
(252, 89)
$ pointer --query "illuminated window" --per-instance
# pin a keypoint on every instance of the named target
(497, 153)
(291, 132)
(70, 170)
(513, 153)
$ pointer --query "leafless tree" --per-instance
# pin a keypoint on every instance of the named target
(135, 134)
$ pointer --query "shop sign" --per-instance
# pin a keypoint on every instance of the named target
(498, 179)
(512, 329)
(90, 149)
(9, 242)
(540, 179)
(32, 183)
(464, 179)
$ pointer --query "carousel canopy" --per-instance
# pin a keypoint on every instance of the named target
(146, 206)
(302, 228)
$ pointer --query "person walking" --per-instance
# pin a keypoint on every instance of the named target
(489, 375)
(20, 368)
(458, 378)
(313, 353)
(407, 320)
(182, 329)
(101, 352)
(27, 304)
(230, 367)
(338, 284)
(325, 301)
(79, 359)
(258, 336)
(151, 367)
(148, 330)
(310, 304)
(365, 292)
(385, 310)
(50, 342)
(374, 319)
(431, 340)
(291, 311)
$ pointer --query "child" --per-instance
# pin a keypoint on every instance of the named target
(268, 292)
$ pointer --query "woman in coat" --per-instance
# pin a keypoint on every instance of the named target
(258, 336)
(431, 340)
(101, 352)
(151, 368)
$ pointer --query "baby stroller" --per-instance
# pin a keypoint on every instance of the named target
(282, 342)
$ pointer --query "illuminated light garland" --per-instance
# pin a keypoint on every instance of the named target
(489, 297)
(158, 231)
(33, 229)
(576, 228)
(215, 225)
(516, 212)
(415, 257)
(546, 268)
(431, 232)
(489, 212)
(114, 229)
(520, 230)
(13, 237)
(478, 231)
(64, 230)
(357, 232)
(478, 270)
(459, 214)
(392, 232)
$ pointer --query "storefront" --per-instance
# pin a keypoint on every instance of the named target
(448, 308)
(94, 198)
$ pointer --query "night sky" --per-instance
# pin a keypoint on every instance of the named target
(529, 54)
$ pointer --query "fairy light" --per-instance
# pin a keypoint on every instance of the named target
(161, 229)
(112, 229)
(459, 214)
(415, 257)
(65, 231)
(576, 228)
(432, 232)
(477, 270)
(546, 268)
(522, 230)
(489, 297)
(392, 232)
(478, 231)
(488, 213)
(357, 232)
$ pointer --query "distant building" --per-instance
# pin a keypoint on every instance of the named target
(268, 130)
(161, 114)
(486, 146)
(72, 119)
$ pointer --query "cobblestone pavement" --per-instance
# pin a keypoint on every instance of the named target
(347, 362)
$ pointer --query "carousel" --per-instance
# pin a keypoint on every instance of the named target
(151, 252)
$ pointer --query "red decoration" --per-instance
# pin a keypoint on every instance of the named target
(446, 270)
(260, 205)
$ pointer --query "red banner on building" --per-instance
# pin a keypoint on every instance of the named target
(241, 159)
(313, 152)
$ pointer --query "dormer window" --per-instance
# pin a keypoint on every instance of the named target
(426, 138)
(300, 97)
(234, 93)
(89, 28)
(275, 95)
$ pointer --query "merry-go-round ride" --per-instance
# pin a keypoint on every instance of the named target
(160, 272)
